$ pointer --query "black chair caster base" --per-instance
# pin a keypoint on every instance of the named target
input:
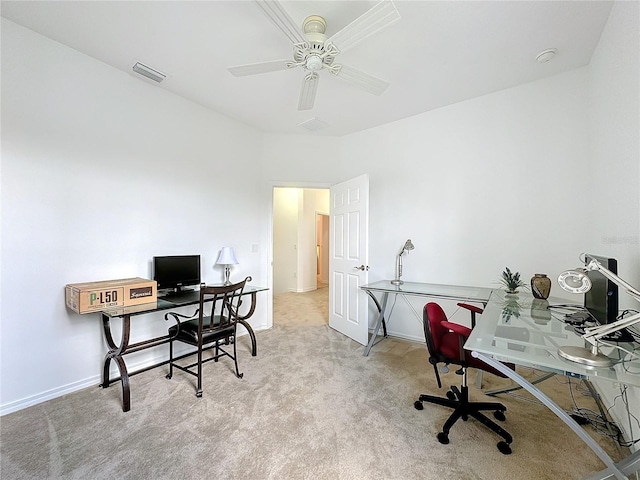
(443, 438)
(499, 415)
(418, 405)
(504, 448)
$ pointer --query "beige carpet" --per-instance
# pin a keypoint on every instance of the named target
(310, 406)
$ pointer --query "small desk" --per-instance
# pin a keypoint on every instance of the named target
(116, 352)
(520, 329)
(415, 289)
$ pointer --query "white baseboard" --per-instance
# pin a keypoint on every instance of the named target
(48, 395)
(93, 381)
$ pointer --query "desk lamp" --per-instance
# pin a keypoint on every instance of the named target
(576, 281)
(227, 258)
(407, 246)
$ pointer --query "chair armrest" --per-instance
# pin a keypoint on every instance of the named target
(177, 317)
(472, 308)
(457, 328)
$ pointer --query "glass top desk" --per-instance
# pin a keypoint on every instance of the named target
(522, 330)
(416, 289)
(116, 351)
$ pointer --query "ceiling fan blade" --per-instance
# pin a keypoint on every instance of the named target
(308, 91)
(274, 10)
(362, 80)
(375, 19)
(256, 68)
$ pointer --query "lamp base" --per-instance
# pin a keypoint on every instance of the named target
(396, 282)
(585, 356)
(227, 272)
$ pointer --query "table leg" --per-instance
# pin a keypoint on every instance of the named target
(619, 470)
(242, 320)
(512, 388)
(372, 340)
(254, 346)
(115, 352)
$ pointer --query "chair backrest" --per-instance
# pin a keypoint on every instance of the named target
(222, 302)
(433, 316)
(446, 342)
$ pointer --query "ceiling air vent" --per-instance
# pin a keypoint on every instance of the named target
(149, 72)
(314, 124)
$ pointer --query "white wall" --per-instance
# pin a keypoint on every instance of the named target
(285, 239)
(614, 166)
(100, 172)
(477, 186)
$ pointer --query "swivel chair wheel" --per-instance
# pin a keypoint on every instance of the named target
(444, 438)
(499, 415)
(451, 395)
(168, 376)
(418, 405)
(504, 448)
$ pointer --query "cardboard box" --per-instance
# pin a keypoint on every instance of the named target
(96, 296)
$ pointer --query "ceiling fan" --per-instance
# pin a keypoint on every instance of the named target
(313, 51)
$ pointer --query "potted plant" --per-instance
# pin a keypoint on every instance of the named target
(511, 281)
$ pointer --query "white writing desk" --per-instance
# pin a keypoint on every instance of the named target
(520, 329)
(416, 289)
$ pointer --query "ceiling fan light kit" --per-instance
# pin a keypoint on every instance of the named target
(314, 27)
(313, 51)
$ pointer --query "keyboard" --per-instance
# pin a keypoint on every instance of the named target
(182, 297)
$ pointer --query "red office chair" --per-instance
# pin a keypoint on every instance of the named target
(445, 342)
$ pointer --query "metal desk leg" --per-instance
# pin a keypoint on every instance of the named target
(498, 391)
(618, 470)
(243, 321)
(115, 353)
(372, 340)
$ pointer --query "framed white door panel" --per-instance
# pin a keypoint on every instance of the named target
(348, 258)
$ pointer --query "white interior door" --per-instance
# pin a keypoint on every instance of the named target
(348, 258)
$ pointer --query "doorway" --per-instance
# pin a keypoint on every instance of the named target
(300, 255)
(322, 246)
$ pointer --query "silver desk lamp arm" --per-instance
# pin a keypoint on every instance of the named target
(593, 334)
(576, 281)
(408, 245)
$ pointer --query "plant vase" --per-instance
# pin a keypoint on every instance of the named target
(540, 286)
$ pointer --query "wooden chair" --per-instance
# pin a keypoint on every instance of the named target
(206, 331)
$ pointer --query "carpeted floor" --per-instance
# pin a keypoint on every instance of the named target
(310, 406)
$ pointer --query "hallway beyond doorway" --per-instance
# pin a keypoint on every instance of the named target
(307, 308)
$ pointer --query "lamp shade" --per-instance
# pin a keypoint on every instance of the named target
(227, 257)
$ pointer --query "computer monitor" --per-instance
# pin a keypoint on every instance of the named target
(602, 299)
(176, 271)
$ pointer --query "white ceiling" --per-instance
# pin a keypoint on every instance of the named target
(437, 54)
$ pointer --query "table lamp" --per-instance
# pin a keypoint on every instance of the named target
(227, 258)
(577, 281)
(406, 247)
